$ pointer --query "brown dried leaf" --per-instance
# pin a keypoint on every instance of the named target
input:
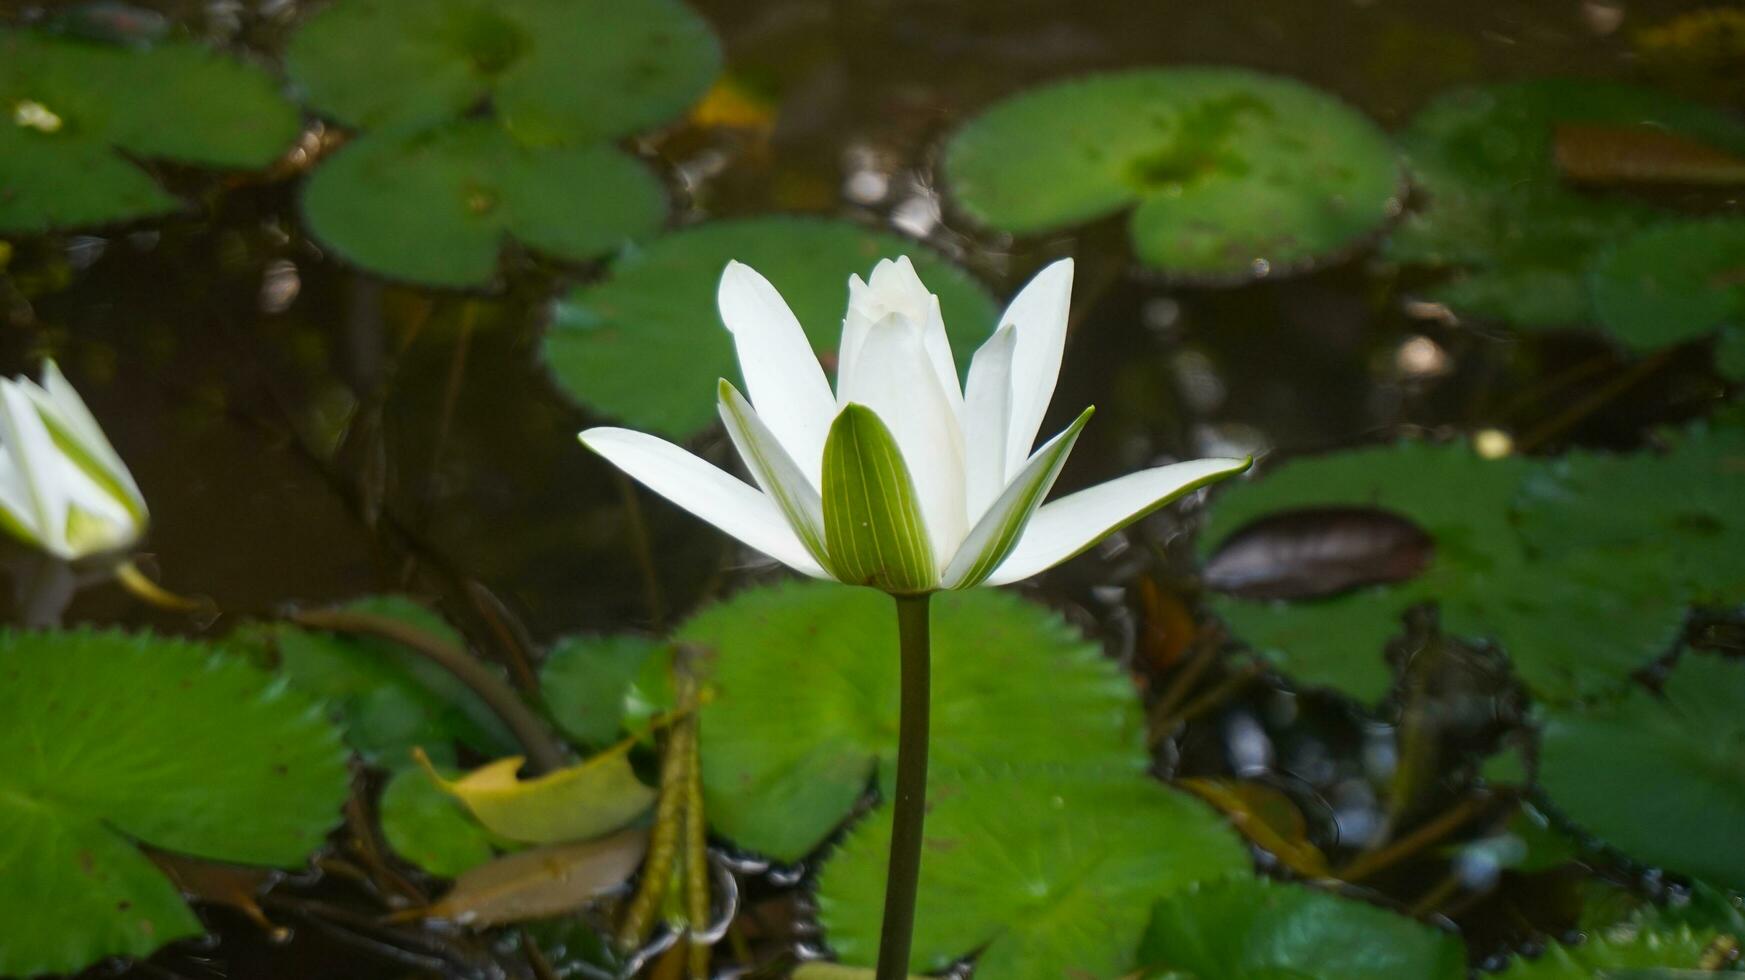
(1317, 552)
(541, 882)
(238, 886)
(1593, 154)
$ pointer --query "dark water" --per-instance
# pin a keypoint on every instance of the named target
(305, 433)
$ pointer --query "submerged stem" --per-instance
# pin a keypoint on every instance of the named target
(910, 808)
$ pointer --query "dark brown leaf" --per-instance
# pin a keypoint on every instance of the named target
(1641, 155)
(1317, 552)
(238, 886)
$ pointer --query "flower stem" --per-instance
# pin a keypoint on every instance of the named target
(911, 802)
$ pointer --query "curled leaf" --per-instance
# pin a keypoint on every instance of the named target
(541, 882)
(1316, 552)
(574, 803)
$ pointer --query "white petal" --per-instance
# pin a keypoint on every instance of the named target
(774, 470)
(987, 412)
(894, 377)
(705, 491)
(854, 329)
(57, 399)
(38, 459)
(1039, 313)
(994, 536)
(782, 375)
(1068, 526)
(15, 498)
(897, 288)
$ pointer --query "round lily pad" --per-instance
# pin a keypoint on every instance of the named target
(646, 345)
(72, 108)
(1039, 874)
(586, 679)
(430, 828)
(1497, 211)
(1233, 174)
(112, 739)
(805, 708)
(1572, 626)
(437, 206)
(1688, 745)
(551, 70)
(1646, 954)
(1247, 928)
(1730, 354)
(1672, 283)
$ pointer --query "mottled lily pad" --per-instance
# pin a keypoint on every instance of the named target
(70, 109)
(804, 716)
(1246, 928)
(1688, 745)
(1497, 213)
(1571, 627)
(646, 345)
(586, 680)
(1672, 283)
(430, 828)
(1040, 874)
(112, 739)
(551, 70)
(1232, 173)
(438, 205)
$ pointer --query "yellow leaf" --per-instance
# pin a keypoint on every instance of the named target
(576, 803)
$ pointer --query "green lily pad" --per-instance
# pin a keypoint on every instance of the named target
(70, 109)
(1041, 874)
(805, 709)
(112, 739)
(1497, 211)
(1687, 745)
(1730, 354)
(433, 830)
(551, 70)
(586, 681)
(647, 346)
(1233, 174)
(1571, 627)
(387, 699)
(1638, 955)
(1672, 283)
(1246, 928)
(438, 205)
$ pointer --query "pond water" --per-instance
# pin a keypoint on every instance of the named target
(307, 433)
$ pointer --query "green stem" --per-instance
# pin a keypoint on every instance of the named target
(911, 803)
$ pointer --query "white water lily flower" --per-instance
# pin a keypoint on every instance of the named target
(63, 488)
(900, 479)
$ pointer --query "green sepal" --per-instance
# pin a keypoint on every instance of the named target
(996, 534)
(775, 470)
(872, 518)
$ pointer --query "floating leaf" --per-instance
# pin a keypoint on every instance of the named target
(438, 205)
(586, 680)
(1730, 353)
(1644, 955)
(237, 886)
(70, 109)
(551, 70)
(431, 829)
(1308, 554)
(1045, 874)
(1672, 283)
(388, 699)
(806, 707)
(541, 881)
(113, 738)
(1233, 173)
(644, 343)
(1496, 209)
(1245, 928)
(1641, 155)
(574, 803)
(1661, 778)
(1571, 626)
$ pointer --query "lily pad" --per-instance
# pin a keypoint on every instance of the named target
(1497, 211)
(646, 345)
(805, 712)
(587, 679)
(112, 739)
(428, 827)
(1233, 174)
(1571, 627)
(1672, 283)
(1041, 874)
(1730, 354)
(1246, 928)
(1641, 955)
(438, 205)
(550, 70)
(72, 109)
(1688, 745)
(387, 699)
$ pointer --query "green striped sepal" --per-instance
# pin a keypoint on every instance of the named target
(997, 532)
(872, 517)
(774, 470)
